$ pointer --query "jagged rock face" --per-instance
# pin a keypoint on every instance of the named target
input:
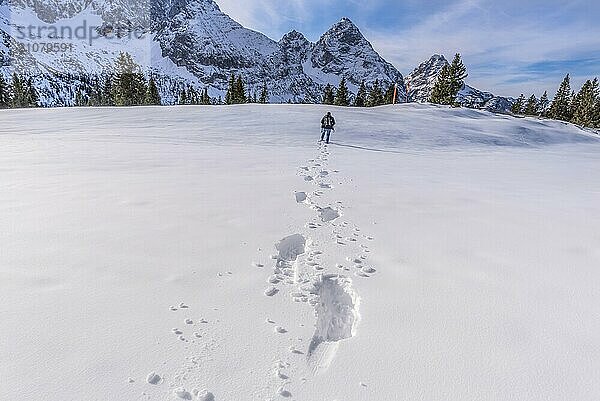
(287, 64)
(344, 51)
(196, 35)
(421, 81)
(51, 11)
(474, 98)
(197, 42)
(293, 49)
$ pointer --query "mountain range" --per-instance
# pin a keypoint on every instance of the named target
(194, 42)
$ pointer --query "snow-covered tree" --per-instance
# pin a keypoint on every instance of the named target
(107, 96)
(519, 105)
(5, 95)
(229, 95)
(205, 98)
(543, 104)
(183, 99)
(264, 95)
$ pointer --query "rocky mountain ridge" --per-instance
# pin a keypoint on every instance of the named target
(194, 42)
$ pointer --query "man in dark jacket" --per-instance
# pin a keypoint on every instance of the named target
(327, 125)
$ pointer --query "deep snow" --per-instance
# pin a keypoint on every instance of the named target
(182, 252)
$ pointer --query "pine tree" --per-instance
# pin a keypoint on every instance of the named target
(450, 81)
(5, 98)
(229, 96)
(205, 98)
(129, 86)
(519, 105)
(183, 99)
(543, 105)
(573, 105)
(239, 91)
(95, 92)
(18, 92)
(596, 114)
(81, 98)
(152, 95)
(192, 95)
(341, 96)
(587, 101)
(531, 106)
(264, 95)
(441, 89)
(458, 73)
(107, 97)
(361, 96)
(559, 109)
(24, 92)
(375, 97)
(32, 94)
(328, 96)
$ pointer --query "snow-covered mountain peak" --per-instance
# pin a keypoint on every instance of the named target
(293, 37)
(194, 42)
(421, 81)
(344, 51)
(344, 31)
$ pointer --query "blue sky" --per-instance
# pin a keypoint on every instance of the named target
(509, 46)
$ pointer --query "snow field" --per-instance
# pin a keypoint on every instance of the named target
(176, 253)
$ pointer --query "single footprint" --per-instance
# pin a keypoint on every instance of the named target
(269, 292)
(182, 393)
(206, 396)
(300, 197)
(328, 214)
(153, 378)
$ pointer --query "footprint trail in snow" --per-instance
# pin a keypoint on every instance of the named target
(314, 266)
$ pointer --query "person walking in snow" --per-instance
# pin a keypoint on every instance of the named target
(327, 125)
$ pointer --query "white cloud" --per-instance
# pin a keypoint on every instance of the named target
(498, 40)
(497, 45)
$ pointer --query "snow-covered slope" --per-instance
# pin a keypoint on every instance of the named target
(423, 78)
(429, 253)
(190, 40)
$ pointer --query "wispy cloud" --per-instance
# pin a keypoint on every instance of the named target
(510, 47)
